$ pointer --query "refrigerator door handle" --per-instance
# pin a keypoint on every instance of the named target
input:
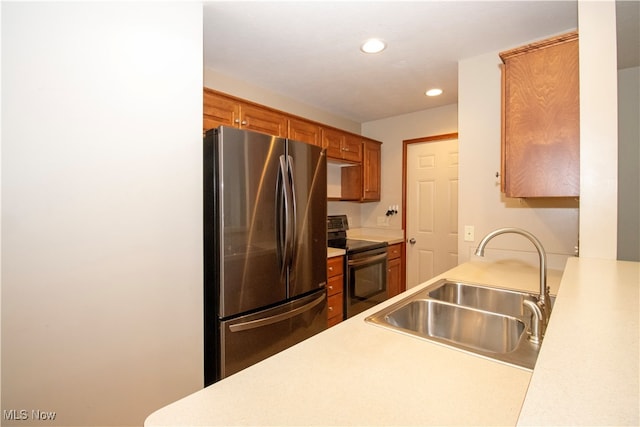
(285, 240)
(253, 324)
(293, 218)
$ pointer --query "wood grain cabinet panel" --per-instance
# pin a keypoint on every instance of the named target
(335, 295)
(395, 276)
(541, 119)
(305, 131)
(362, 182)
(371, 168)
(361, 157)
(222, 110)
(342, 145)
(219, 111)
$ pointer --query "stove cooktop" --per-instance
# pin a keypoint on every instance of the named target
(355, 245)
(337, 226)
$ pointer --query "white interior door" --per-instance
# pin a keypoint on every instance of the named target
(432, 209)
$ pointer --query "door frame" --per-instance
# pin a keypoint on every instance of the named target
(405, 145)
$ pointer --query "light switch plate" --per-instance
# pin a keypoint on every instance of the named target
(469, 233)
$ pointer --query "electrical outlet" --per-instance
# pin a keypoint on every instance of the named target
(469, 233)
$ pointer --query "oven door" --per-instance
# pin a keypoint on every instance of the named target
(366, 281)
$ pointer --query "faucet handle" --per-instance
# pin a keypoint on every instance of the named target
(538, 321)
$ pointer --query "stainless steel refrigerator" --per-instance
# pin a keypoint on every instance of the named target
(265, 247)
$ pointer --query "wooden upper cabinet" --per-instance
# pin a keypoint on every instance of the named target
(263, 120)
(361, 182)
(352, 148)
(361, 157)
(305, 131)
(221, 110)
(371, 168)
(541, 119)
(341, 145)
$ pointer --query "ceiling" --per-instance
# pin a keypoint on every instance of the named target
(309, 50)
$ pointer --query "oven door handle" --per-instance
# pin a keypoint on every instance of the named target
(365, 261)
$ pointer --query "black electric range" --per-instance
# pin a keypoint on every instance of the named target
(337, 226)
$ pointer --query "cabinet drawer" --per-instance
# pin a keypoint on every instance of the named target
(334, 285)
(334, 266)
(394, 251)
(334, 306)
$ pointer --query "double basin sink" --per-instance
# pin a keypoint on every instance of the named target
(487, 321)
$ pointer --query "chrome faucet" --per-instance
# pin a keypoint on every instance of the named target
(542, 312)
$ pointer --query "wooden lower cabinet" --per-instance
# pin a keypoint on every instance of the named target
(395, 276)
(335, 283)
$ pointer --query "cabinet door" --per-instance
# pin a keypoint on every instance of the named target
(332, 140)
(351, 182)
(394, 277)
(219, 111)
(541, 119)
(394, 251)
(371, 171)
(303, 131)
(352, 148)
(263, 120)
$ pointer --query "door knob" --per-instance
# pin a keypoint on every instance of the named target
(412, 241)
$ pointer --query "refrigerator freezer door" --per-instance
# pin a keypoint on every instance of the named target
(250, 276)
(308, 168)
(249, 339)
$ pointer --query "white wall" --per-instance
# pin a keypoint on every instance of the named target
(629, 164)
(101, 209)
(481, 203)
(392, 131)
(598, 129)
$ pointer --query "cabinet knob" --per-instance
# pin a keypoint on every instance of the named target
(236, 121)
(330, 308)
(330, 288)
(330, 268)
(244, 122)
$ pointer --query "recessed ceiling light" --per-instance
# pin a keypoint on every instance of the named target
(373, 46)
(433, 92)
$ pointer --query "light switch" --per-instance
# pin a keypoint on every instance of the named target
(469, 233)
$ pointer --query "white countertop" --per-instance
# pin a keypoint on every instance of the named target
(359, 374)
(333, 252)
(587, 370)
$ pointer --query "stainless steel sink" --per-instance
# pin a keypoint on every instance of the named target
(481, 297)
(476, 329)
(479, 319)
